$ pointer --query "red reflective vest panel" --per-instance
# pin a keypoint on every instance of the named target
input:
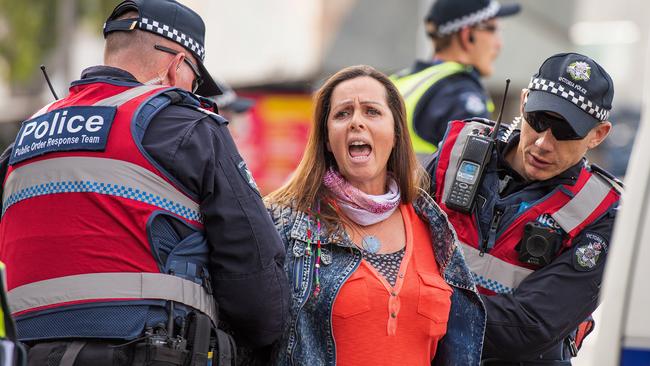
(70, 213)
(500, 271)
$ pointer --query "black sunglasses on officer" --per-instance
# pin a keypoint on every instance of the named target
(541, 121)
(198, 80)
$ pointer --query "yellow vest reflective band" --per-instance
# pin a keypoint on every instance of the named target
(4, 311)
(5, 317)
(413, 87)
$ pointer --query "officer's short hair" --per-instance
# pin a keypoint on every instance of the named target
(137, 39)
(440, 42)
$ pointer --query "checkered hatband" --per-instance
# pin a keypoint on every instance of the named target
(580, 101)
(173, 34)
(470, 19)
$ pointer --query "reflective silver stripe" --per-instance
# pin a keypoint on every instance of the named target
(114, 101)
(123, 97)
(42, 110)
(493, 273)
(102, 286)
(456, 152)
(583, 204)
(98, 175)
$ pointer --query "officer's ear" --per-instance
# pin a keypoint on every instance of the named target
(466, 38)
(173, 68)
(598, 134)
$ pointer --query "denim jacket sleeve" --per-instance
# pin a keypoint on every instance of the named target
(463, 341)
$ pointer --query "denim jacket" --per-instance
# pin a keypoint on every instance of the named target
(308, 337)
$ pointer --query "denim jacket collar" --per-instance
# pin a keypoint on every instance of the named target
(446, 245)
(304, 221)
(442, 237)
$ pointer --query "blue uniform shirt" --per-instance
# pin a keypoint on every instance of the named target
(457, 97)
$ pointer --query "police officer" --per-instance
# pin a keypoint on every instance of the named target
(466, 40)
(539, 229)
(128, 214)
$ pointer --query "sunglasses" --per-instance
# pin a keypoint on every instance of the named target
(490, 28)
(542, 121)
(198, 80)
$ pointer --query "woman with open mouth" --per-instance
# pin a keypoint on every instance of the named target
(376, 276)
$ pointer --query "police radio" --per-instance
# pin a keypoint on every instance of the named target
(49, 83)
(475, 157)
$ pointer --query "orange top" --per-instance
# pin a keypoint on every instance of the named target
(377, 324)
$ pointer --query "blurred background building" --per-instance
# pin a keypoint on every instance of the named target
(278, 52)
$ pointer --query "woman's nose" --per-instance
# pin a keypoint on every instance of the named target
(357, 120)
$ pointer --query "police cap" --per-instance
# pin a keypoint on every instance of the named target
(169, 19)
(450, 16)
(573, 86)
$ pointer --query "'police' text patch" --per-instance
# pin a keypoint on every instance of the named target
(64, 129)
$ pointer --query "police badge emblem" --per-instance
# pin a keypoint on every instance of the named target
(248, 176)
(474, 104)
(579, 70)
(587, 255)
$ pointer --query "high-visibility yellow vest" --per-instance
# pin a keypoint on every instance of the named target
(4, 310)
(413, 86)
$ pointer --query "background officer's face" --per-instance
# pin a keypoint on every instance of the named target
(486, 46)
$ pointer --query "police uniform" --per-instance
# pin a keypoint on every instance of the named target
(438, 92)
(538, 306)
(124, 203)
(245, 253)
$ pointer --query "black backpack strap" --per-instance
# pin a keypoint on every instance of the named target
(71, 353)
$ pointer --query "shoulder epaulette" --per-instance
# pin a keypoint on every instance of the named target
(616, 183)
(218, 118)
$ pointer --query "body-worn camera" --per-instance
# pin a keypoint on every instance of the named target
(539, 245)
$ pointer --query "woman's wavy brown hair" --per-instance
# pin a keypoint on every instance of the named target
(305, 187)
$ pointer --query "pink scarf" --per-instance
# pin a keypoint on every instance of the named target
(360, 207)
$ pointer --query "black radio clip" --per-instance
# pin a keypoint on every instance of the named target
(474, 159)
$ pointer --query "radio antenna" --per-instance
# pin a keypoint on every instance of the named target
(495, 132)
(47, 79)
